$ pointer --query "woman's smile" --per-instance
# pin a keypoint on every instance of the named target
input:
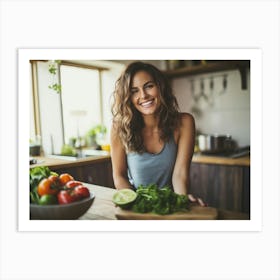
(147, 104)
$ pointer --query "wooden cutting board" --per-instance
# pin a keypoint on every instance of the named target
(195, 213)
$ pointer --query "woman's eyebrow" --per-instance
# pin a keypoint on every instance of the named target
(143, 84)
(149, 82)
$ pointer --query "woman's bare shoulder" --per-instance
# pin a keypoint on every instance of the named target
(187, 124)
(186, 119)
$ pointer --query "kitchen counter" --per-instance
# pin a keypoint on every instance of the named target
(104, 209)
(208, 159)
(64, 163)
(197, 158)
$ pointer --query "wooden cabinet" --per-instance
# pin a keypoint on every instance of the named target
(95, 172)
(99, 174)
(222, 186)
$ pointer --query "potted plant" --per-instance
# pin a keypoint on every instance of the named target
(67, 150)
(93, 134)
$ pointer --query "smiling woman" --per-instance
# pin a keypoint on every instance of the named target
(151, 141)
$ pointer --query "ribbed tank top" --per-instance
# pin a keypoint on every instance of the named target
(148, 168)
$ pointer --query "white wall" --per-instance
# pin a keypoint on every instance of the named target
(227, 113)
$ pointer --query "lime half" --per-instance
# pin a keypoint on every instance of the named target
(124, 197)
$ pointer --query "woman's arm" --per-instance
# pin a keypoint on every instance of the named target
(119, 164)
(186, 142)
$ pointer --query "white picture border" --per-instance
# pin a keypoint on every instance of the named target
(255, 57)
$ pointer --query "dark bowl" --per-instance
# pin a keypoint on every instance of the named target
(71, 211)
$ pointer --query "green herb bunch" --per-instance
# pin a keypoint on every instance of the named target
(161, 201)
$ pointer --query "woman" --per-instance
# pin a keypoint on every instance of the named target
(151, 141)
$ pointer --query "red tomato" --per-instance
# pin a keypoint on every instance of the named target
(72, 184)
(65, 197)
(81, 192)
(64, 178)
(46, 186)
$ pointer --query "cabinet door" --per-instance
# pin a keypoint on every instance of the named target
(246, 190)
(99, 173)
(220, 186)
(204, 183)
(230, 187)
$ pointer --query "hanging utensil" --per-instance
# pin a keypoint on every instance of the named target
(195, 96)
(224, 84)
(202, 91)
(211, 86)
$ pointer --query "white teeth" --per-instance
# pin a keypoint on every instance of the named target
(144, 104)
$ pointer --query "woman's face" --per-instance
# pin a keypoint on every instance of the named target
(144, 93)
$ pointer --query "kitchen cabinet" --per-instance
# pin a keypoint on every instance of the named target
(222, 186)
(209, 67)
(98, 172)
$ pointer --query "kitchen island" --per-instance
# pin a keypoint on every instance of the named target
(104, 209)
(221, 182)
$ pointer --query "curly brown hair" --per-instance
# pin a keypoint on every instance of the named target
(128, 121)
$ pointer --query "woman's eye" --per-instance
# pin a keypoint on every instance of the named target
(149, 86)
(133, 91)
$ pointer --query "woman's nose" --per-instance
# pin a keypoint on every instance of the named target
(143, 93)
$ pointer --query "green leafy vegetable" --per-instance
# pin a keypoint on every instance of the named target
(37, 174)
(159, 200)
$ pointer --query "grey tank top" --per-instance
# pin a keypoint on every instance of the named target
(148, 168)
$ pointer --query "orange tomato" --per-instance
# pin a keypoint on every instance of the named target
(64, 178)
(46, 186)
(54, 179)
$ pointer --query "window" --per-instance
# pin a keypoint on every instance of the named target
(83, 102)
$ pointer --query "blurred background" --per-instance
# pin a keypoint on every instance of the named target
(71, 107)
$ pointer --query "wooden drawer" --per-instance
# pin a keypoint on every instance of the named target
(222, 186)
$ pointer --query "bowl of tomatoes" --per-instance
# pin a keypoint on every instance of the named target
(57, 197)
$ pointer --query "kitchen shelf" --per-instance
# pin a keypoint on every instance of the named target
(209, 67)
